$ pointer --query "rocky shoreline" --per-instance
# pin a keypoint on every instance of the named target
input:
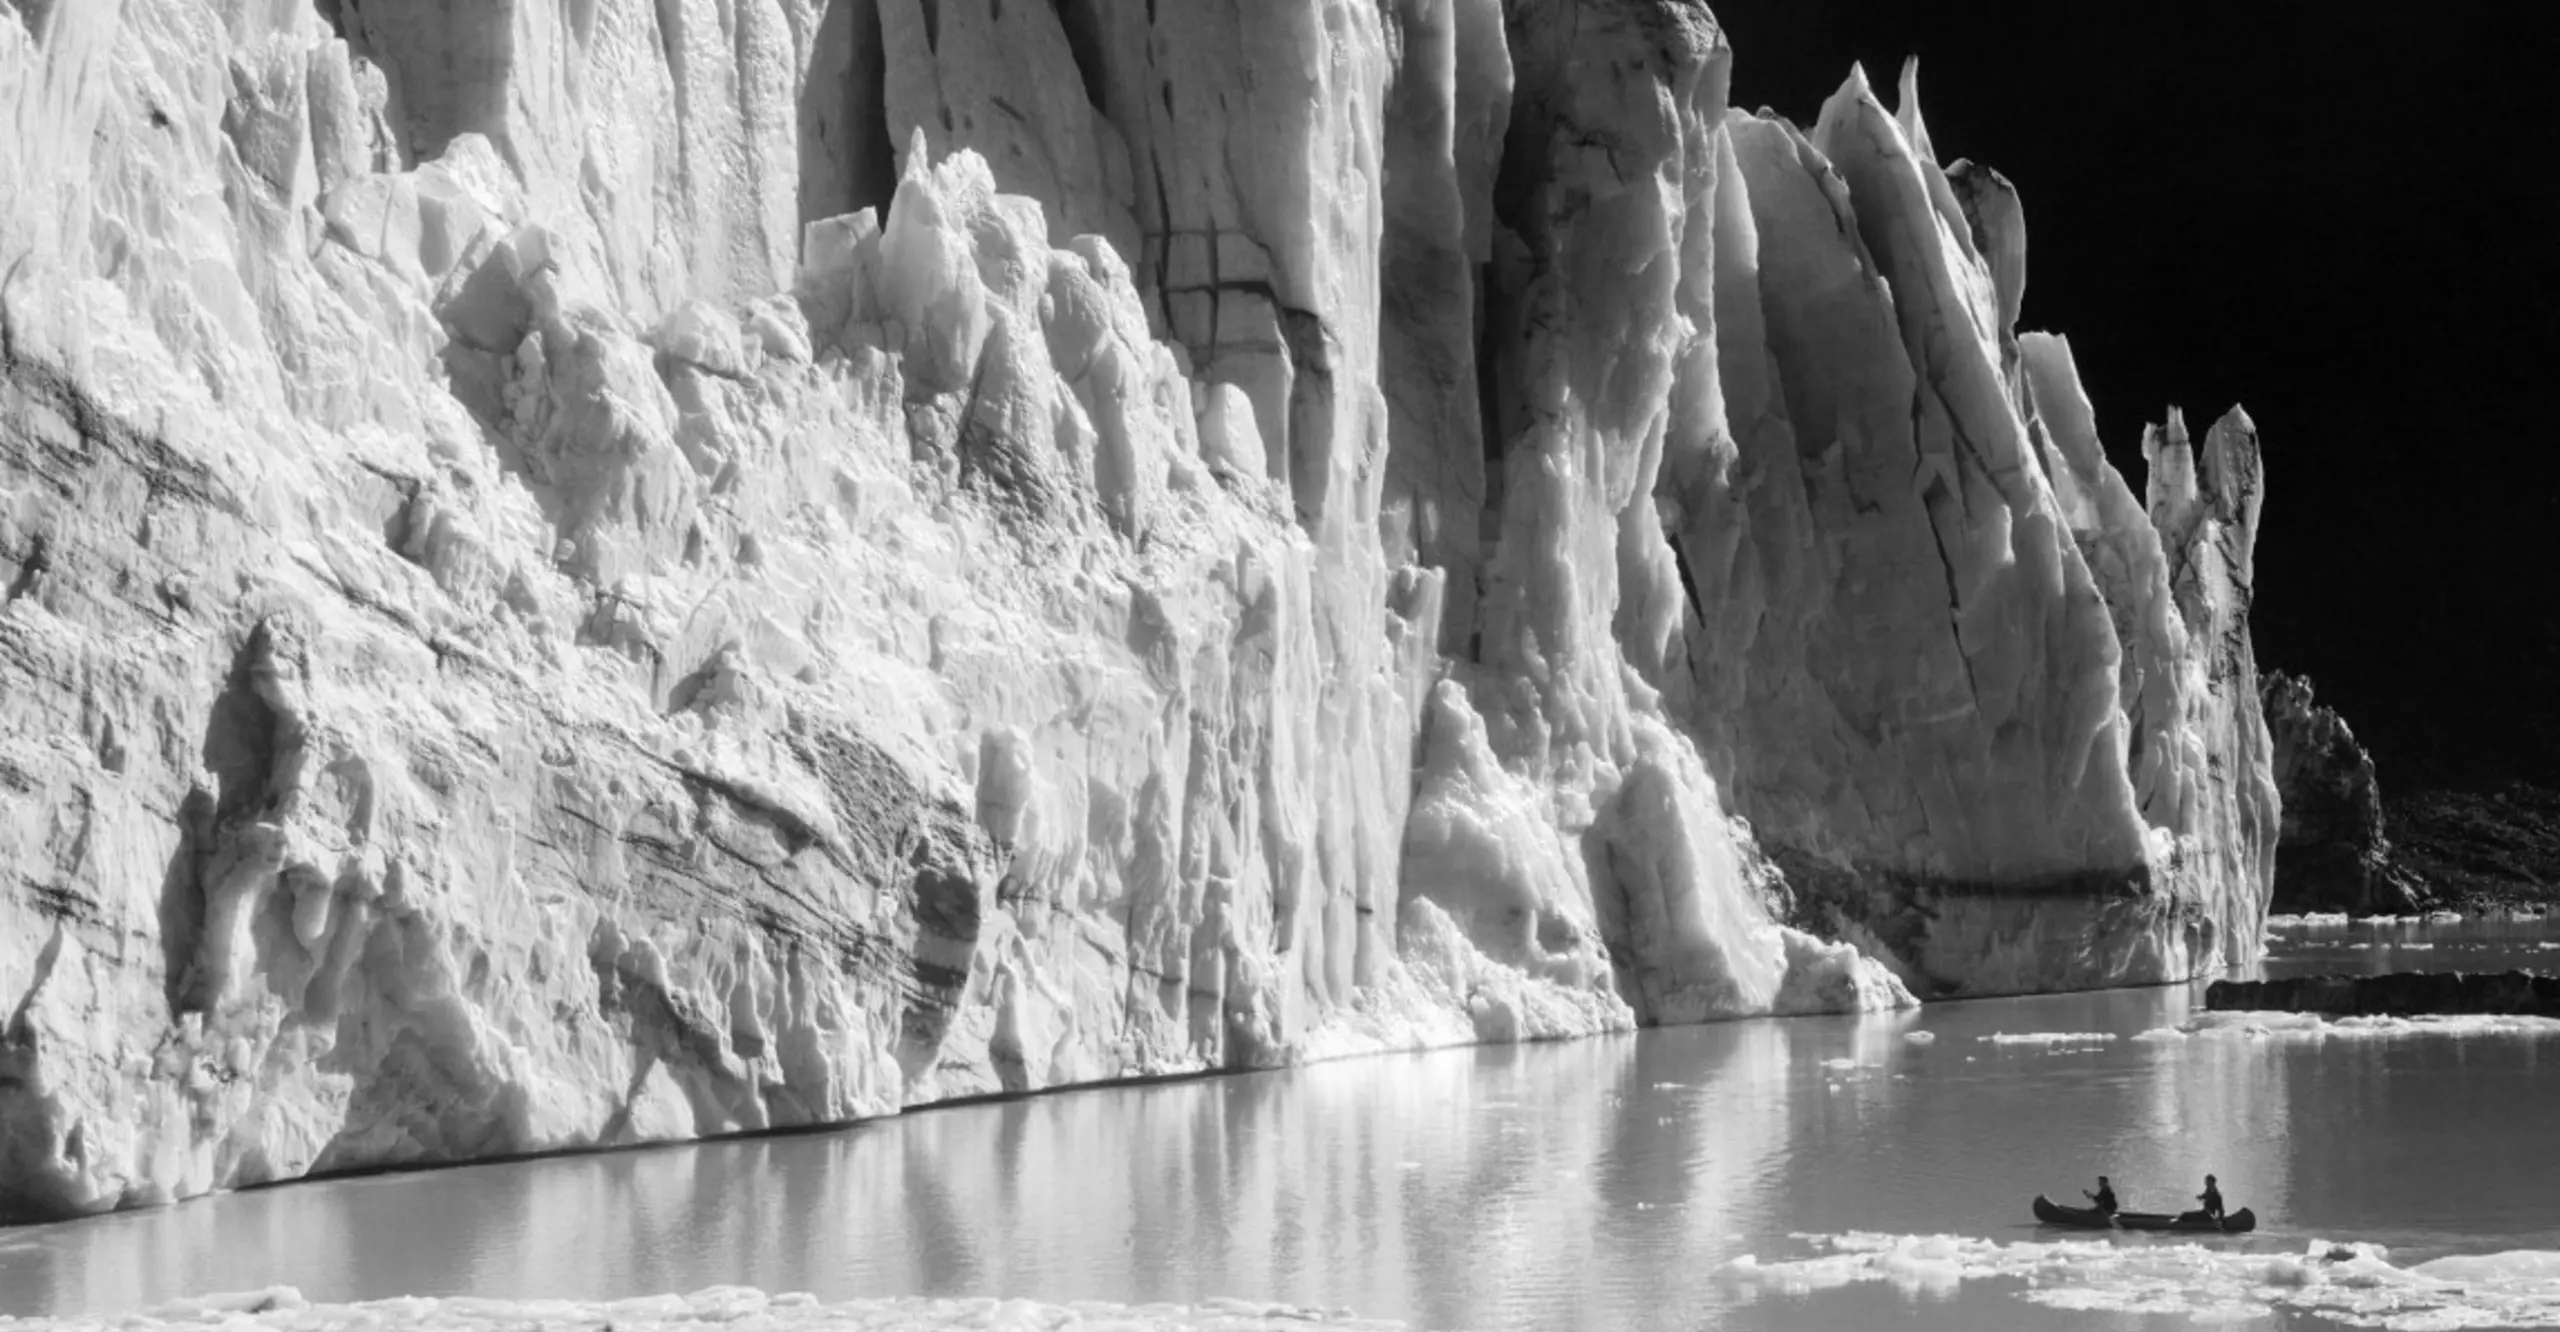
(2481, 851)
(2399, 994)
(2347, 847)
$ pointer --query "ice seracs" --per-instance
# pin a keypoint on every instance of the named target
(1946, 622)
(627, 573)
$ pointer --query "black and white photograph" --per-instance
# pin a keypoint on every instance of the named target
(1279, 665)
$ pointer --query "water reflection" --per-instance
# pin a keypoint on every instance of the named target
(2373, 948)
(1370, 1184)
(1594, 1184)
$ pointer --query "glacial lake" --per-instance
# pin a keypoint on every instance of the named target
(1759, 1174)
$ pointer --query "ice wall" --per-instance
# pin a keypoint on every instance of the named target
(592, 574)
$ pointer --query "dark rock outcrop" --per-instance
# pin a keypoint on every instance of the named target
(2331, 854)
(2398, 994)
(2482, 851)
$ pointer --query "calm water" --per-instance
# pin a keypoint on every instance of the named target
(2375, 948)
(1593, 1184)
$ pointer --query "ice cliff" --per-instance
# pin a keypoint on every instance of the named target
(596, 572)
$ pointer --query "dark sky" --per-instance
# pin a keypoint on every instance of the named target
(2343, 216)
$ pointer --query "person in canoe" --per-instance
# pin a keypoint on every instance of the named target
(2211, 1198)
(2104, 1200)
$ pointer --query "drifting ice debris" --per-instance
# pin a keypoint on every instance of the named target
(2351, 1284)
(283, 1309)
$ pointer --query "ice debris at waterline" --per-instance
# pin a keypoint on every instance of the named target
(284, 1310)
(2353, 1284)
(2254, 1025)
(616, 573)
(2332, 920)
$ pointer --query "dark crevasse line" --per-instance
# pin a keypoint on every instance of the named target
(1447, 103)
(848, 161)
(1494, 300)
(1503, 282)
(449, 73)
(1087, 43)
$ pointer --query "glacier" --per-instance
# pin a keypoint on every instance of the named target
(575, 575)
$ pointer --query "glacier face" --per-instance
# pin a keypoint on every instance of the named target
(617, 572)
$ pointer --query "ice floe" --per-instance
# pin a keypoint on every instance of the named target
(2257, 1024)
(2047, 1038)
(2349, 1283)
(2316, 920)
(284, 1309)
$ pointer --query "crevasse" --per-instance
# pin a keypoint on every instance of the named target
(595, 573)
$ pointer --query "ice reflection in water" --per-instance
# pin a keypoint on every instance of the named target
(2328, 946)
(1596, 1184)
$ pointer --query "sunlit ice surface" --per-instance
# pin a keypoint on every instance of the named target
(2346, 1284)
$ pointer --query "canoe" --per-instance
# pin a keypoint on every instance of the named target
(2052, 1213)
(2232, 1223)
(2055, 1214)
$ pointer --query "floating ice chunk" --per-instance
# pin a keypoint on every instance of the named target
(219, 1308)
(2315, 1026)
(2047, 1037)
(2515, 1265)
(284, 1309)
(2350, 1284)
(1921, 1037)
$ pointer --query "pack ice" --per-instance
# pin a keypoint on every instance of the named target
(594, 573)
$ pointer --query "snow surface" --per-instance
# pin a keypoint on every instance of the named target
(627, 571)
(2351, 1283)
